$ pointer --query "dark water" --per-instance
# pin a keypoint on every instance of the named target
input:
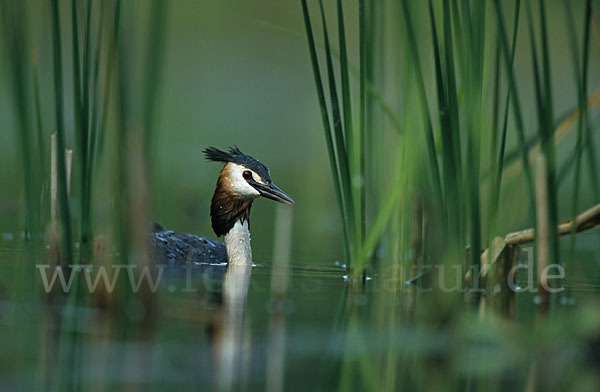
(221, 328)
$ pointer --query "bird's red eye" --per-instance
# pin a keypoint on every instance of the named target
(247, 174)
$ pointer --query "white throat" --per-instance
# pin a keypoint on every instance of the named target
(237, 244)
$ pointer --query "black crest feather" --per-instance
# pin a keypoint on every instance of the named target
(235, 155)
(216, 155)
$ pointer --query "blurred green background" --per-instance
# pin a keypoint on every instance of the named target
(226, 80)
(238, 72)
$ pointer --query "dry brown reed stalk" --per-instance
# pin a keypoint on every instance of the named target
(495, 274)
(586, 220)
(505, 249)
(138, 205)
(69, 161)
(54, 226)
(53, 200)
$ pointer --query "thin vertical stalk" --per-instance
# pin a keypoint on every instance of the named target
(444, 115)
(362, 113)
(474, 98)
(110, 65)
(493, 163)
(450, 133)
(60, 136)
(38, 113)
(156, 43)
(590, 143)
(429, 138)
(79, 128)
(516, 104)
(341, 155)
(14, 26)
(546, 130)
(346, 101)
(86, 179)
(580, 72)
(497, 159)
(549, 148)
(95, 93)
(326, 126)
(497, 177)
(356, 186)
(452, 99)
(94, 103)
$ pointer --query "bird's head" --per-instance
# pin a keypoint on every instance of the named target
(244, 177)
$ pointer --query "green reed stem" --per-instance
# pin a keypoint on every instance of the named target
(108, 81)
(38, 114)
(516, 104)
(544, 109)
(15, 34)
(154, 51)
(499, 161)
(580, 72)
(326, 128)
(362, 115)
(429, 138)
(60, 137)
(349, 136)
(340, 148)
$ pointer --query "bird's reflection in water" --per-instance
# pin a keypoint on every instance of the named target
(230, 347)
(214, 295)
(221, 291)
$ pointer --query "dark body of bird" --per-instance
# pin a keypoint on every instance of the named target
(170, 247)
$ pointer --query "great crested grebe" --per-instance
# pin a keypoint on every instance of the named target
(241, 180)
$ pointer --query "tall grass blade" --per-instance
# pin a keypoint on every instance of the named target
(338, 136)
(122, 187)
(549, 148)
(474, 84)
(156, 44)
(346, 101)
(86, 197)
(39, 121)
(429, 137)
(441, 96)
(544, 110)
(94, 104)
(95, 94)
(499, 162)
(108, 79)
(362, 112)
(15, 35)
(516, 104)
(580, 72)
(590, 144)
(453, 172)
(326, 126)
(60, 137)
(356, 186)
(79, 127)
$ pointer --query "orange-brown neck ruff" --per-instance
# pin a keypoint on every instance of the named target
(226, 207)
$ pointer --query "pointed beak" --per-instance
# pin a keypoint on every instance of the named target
(271, 191)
